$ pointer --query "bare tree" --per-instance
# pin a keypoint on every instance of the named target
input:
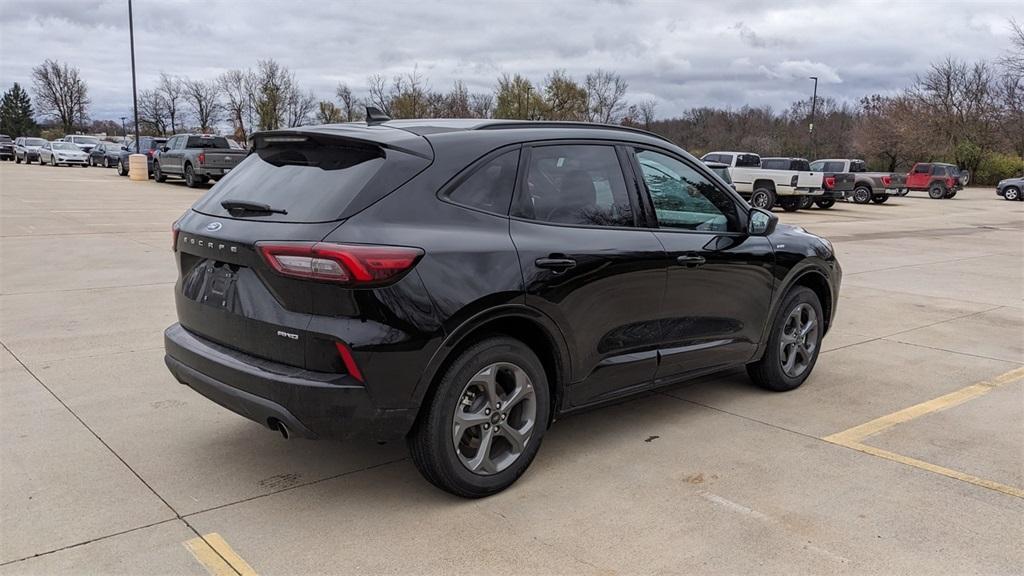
(298, 106)
(328, 113)
(606, 93)
(172, 89)
(410, 96)
(349, 105)
(640, 115)
(61, 94)
(564, 98)
(481, 105)
(153, 112)
(1013, 60)
(236, 86)
(203, 97)
(378, 94)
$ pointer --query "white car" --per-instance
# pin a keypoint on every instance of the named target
(84, 142)
(54, 153)
(764, 188)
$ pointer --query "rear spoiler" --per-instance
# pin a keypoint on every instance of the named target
(358, 133)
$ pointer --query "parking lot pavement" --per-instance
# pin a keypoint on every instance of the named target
(901, 453)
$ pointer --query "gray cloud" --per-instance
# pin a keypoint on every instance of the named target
(727, 53)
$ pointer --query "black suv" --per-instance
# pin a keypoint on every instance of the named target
(462, 283)
(147, 145)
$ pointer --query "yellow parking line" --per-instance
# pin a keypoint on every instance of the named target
(853, 437)
(217, 556)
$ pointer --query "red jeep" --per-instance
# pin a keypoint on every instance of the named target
(939, 180)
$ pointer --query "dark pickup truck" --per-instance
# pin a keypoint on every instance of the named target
(198, 158)
(835, 185)
(868, 186)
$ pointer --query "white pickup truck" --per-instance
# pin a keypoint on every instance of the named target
(766, 188)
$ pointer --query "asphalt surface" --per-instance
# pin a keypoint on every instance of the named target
(903, 452)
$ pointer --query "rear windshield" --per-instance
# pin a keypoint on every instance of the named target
(312, 181)
(748, 161)
(774, 164)
(34, 141)
(219, 142)
(800, 165)
(858, 166)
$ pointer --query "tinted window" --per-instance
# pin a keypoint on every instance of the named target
(725, 159)
(684, 198)
(207, 142)
(490, 186)
(799, 165)
(748, 160)
(576, 185)
(938, 170)
(858, 166)
(313, 181)
(774, 164)
(922, 168)
(818, 166)
(34, 142)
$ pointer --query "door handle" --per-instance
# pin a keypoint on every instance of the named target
(691, 260)
(556, 264)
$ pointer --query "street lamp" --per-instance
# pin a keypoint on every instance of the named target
(135, 98)
(814, 105)
(124, 131)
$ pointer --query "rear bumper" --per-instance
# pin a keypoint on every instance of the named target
(310, 404)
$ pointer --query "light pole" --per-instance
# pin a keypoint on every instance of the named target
(135, 97)
(814, 105)
(124, 131)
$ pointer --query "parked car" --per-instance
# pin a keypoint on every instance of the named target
(196, 157)
(868, 186)
(834, 185)
(85, 143)
(397, 280)
(938, 179)
(105, 154)
(722, 170)
(1011, 188)
(27, 149)
(56, 153)
(6, 147)
(765, 188)
(147, 145)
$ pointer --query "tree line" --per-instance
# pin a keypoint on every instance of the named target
(968, 113)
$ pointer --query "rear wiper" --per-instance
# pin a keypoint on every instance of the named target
(247, 206)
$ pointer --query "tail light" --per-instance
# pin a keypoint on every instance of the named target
(354, 264)
(174, 237)
(350, 363)
(830, 182)
(201, 158)
(886, 180)
(150, 152)
(793, 181)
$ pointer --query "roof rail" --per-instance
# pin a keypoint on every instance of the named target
(501, 125)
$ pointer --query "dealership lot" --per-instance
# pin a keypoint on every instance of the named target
(110, 466)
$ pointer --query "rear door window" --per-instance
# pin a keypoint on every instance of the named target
(576, 185)
(311, 179)
(489, 187)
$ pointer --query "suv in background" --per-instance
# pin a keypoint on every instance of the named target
(463, 283)
(26, 149)
(1010, 188)
(938, 179)
(147, 145)
(6, 147)
(196, 157)
(835, 185)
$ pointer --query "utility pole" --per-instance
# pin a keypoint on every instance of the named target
(814, 105)
(135, 97)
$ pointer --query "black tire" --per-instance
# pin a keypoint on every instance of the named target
(862, 194)
(106, 162)
(122, 170)
(191, 180)
(790, 203)
(16, 159)
(53, 160)
(806, 202)
(936, 191)
(1011, 193)
(879, 198)
(825, 203)
(768, 372)
(763, 198)
(951, 193)
(431, 442)
(158, 174)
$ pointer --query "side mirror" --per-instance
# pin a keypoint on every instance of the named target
(761, 222)
(164, 148)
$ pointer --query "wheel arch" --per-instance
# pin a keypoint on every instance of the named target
(764, 183)
(812, 275)
(532, 327)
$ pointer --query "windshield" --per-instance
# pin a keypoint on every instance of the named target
(34, 142)
(65, 146)
(89, 140)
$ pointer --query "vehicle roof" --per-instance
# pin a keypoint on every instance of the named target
(838, 160)
(732, 152)
(783, 158)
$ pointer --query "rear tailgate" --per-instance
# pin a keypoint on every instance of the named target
(221, 159)
(841, 181)
(809, 180)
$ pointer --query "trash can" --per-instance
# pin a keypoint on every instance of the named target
(138, 167)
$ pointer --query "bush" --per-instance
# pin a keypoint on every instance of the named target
(997, 166)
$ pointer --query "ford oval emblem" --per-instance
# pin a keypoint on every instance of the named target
(214, 226)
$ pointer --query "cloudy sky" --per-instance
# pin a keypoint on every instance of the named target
(720, 53)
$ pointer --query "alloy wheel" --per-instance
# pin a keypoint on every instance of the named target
(799, 340)
(495, 418)
(1011, 193)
